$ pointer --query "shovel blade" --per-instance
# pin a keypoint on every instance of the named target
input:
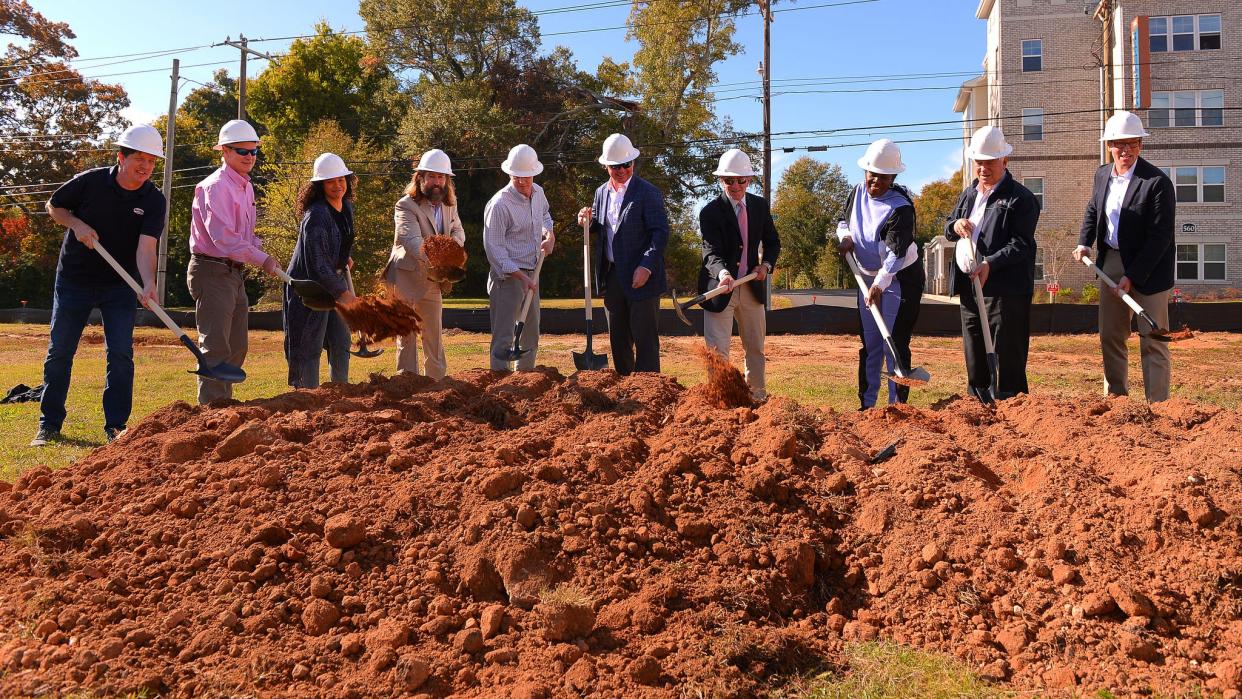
(365, 353)
(984, 394)
(590, 361)
(918, 376)
(678, 309)
(313, 295)
(224, 372)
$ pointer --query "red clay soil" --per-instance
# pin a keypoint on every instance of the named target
(531, 535)
(443, 251)
(380, 317)
(725, 386)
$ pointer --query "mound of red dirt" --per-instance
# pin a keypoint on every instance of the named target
(533, 535)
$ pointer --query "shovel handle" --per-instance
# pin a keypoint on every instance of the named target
(1134, 305)
(720, 290)
(530, 293)
(154, 307)
(875, 313)
(586, 268)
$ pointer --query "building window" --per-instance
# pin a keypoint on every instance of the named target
(1201, 262)
(1198, 185)
(1036, 185)
(1032, 124)
(1184, 33)
(1187, 108)
(1039, 264)
(1032, 55)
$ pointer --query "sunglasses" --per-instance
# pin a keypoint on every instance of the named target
(735, 180)
(622, 166)
(245, 151)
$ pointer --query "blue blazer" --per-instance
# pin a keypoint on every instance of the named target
(642, 234)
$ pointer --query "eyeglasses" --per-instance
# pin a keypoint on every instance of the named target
(245, 151)
(1125, 145)
(735, 180)
(622, 166)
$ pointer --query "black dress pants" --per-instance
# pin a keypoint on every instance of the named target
(1010, 321)
(633, 327)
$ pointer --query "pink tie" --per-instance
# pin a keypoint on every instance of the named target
(742, 226)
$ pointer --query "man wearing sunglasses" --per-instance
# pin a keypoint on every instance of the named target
(630, 227)
(739, 237)
(222, 242)
(1130, 220)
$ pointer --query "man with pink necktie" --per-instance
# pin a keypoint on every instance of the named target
(739, 237)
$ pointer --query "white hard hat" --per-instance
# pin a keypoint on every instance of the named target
(988, 143)
(435, 160)
(1123, 125)
(235, 131)
(883, 158)
(143, 138)
(523, 161)
(328, 166)
(734, 163)
(964, 255)
(617, 150)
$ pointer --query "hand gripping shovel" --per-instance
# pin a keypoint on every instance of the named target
(916, 376)
(514, 353)
(680, 308)
(314, 296)
(362, 350)
(588, 360)
(221, 372)
(1156, 332)
(986, 396)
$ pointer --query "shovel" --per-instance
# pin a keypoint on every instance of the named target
(588, 360)
(516, 352)
(221, 372)
(314, 296)
(362, 350)
(680, 308)
(917, 376)
(987, 396)
(1156, 332)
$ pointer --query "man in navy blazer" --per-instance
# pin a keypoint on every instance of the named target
(734, 226)
(1130, 219)
(630, 228)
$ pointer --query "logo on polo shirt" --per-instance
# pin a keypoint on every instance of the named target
(138, 211)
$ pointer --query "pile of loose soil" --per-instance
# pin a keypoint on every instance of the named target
(725, 386)
(380, 317)
(443, 251)
(532, 535)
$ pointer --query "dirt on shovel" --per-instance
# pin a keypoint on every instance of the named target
(380, 317)
(443, 251)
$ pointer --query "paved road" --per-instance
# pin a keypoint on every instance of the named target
(842, 298)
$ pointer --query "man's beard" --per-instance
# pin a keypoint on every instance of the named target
(433, 192)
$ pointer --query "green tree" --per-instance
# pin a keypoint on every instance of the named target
(808, 202)
(328, 76)
(933, 205)
(55, 123)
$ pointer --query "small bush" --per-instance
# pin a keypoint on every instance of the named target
(1065, 295)
(803, 281)
(1090, 294)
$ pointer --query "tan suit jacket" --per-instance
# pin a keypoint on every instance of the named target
(415, 221)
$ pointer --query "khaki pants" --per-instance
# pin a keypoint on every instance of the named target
(222, 313)
(503, 305)
(1115, 318)
(752, 327)
(426, 298)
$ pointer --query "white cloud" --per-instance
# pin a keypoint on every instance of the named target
(138, 116)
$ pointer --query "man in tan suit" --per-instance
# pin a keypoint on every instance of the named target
(428, 208)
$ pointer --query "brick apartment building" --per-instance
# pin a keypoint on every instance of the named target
(1043, 83)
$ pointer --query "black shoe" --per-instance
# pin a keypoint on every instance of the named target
(45, 435)
(113, 433)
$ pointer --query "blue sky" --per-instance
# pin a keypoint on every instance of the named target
(814, 49)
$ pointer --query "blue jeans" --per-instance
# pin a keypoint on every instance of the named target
(336, 339)
(71, 309)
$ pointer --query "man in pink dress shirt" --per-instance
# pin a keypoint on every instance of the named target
(222, 242)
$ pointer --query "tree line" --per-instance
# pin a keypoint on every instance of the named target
(474, 87)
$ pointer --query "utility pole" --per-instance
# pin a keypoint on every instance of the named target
(170, 141)
(1104, 13)
(243, 45)
(765, 7)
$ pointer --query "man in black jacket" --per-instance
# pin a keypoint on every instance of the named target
(999, 215)
(739, 237)
(1130, 218)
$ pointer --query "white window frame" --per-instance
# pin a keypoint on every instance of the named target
(1026, 182)
(1196, 34)
(1032, 113)
(1039, 55)
(1199, 183)
(1041, 270)
(1200, 261)
(1171, 96)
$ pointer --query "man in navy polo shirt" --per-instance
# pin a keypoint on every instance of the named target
(119, 208)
